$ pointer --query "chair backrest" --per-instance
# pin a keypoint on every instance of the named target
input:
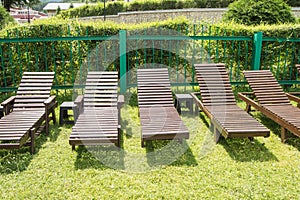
(34, 89)
(154, 88)
(265, 87)
(214, 85)
(101, 89)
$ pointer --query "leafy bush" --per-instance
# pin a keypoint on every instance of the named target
(253, 12)
(66, 56)
(5, 18)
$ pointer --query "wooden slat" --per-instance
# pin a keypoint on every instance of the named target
(273, 102)
(98, 124)
(29, 110)
(219, 103)
(159, 118)
(265, 87)
(34, 89)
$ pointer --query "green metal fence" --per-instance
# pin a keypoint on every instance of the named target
(70, 56)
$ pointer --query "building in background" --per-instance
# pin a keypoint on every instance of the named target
(51, 8)
(22, 15)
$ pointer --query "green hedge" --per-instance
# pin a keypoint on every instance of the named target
(67, 57)
(279, 56)
(64, 57)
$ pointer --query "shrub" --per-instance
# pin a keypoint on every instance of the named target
(5, 18)
(252, 12)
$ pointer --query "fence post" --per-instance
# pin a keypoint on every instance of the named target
(256, 50)
(123, 79)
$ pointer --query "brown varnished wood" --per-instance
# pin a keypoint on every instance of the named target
(158, 116)
(219, 104)
(29, 111)
(99, 122)
(272, 101)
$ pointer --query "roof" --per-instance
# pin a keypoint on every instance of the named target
(63, 6)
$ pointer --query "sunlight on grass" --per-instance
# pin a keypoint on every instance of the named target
(232, 169)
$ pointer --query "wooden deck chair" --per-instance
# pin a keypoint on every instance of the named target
(218, 103)
(28, 113)
(272, 101)
(159, 118)
(99, 108)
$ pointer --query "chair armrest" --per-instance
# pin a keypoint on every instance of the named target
(121, 101)
(292, 97)
(200, 104)
(50, 102)
(250, 102)
(8, 104)
(79, 104)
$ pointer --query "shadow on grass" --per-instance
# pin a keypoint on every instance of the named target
(166, 152)
(276, 129)
(244, 150)
(128, 129)
(99, 157)
(54, 132)
(17, 160)
(204, 119)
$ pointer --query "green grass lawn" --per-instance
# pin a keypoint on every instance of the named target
(194, 169)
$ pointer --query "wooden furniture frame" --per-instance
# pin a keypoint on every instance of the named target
(272, 101)
(219, 105)
(159, 118)
(28, 113)
(99, 111)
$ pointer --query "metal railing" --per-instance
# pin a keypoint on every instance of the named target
(70, 56)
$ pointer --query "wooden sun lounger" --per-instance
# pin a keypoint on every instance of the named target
(159, 118)
(272, 101)
(98, 121)
(218, 103)
(26, 112)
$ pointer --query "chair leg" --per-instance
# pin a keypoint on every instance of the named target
(283, 134)
(217, 135)
(178, 107)
(73, 147)
(143, 143)
(32, 143)
(119, 137)
(47, 121)
(53, 115)
(60, 116)
(180, 140)
(248, 108)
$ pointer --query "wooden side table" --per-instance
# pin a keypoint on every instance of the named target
(63, 112)
(188, 100)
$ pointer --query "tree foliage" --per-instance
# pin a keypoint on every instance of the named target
(7, 4)
(5, 17)
(253, 12)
